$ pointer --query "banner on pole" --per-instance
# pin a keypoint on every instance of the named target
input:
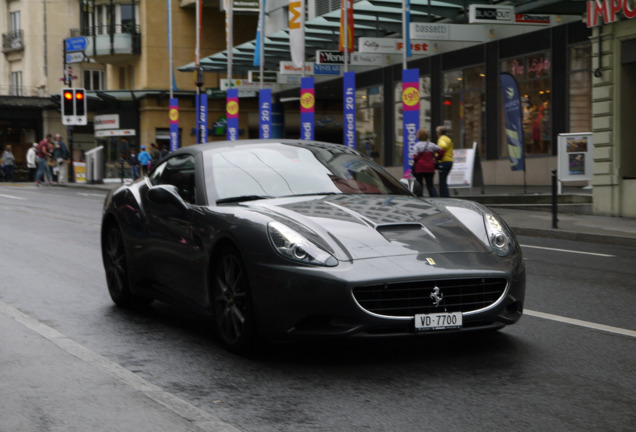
(202, 119)
(512, 117)
(232, 114)
(260, 33)
(307, 108)
(173, 114)
(348, 21)
(297, 31)
(349, 108)
(410, 114)
(265, 114)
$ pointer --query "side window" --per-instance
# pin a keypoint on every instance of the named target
(177, 171)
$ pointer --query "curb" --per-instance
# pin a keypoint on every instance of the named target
(576, 236)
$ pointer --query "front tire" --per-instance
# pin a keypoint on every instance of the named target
(116, 267)
(232, 303)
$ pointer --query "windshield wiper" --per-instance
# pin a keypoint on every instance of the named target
(242, 198)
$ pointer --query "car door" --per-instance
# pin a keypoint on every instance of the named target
(170, 226)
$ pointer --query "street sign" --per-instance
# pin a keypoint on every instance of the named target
(268, 76)
(75, 44)
(75, 57)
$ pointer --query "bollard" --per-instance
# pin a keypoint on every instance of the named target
(555, 220)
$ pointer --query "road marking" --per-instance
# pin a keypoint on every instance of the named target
(201, 419)
(11, 196)
(91, 194)
(569, 251)
(580, 323)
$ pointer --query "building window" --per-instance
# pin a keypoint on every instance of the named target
(463, 107)
(93, 79)
(425, 115)
(369, 121)
(532, 73)
(110, 18)
(580, 88)
(16, 84)
(14, 22)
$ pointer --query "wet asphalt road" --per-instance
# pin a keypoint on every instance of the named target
(541, 374)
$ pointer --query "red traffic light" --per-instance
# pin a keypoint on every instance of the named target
(79, 95)
(68, 95)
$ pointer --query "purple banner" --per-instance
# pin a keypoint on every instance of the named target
(202, 119)
(410, 114)
(232, 114)
(512, 116)
(265, 114)
(349, 108)
(173, 114)
(307, 108)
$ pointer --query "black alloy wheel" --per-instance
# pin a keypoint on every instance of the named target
(114, 256)
(232, 304)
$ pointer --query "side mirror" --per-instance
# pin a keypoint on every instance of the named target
(167, 194)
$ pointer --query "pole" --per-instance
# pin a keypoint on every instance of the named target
(555, 219)
(171, 77)
(404, 30)
(345, 44)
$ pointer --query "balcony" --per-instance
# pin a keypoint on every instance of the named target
(13, 41)
(111, 44)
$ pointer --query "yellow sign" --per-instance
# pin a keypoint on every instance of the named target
(307, 101)
(174, 114)
(411, 96)
(232, 107)
(80, 172)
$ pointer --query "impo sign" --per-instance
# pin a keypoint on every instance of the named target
(608, 10)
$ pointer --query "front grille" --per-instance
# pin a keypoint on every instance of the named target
(410, 298)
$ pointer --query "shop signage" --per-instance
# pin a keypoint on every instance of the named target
(390, 45)
(241, 84)
(106, 121)
(533, 19)
(329, 57)
(608, 9)
(287, 67)
(449, 32)
(491, 14)
(242, 6)
(115, 132)
(268, 76)
(327, 69)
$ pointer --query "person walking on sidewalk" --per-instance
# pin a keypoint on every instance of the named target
(446, 162)
(32, 160)
(424, 162)
(144, 160)
(134, 165)
(8, 160)
(60, 154)
(43, 154)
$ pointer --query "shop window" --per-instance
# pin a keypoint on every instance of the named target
(532, 73)
(425, 116)
(463, 107)
(580, 88)
(369, 122)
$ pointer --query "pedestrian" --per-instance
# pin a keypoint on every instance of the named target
(134, 165)
(164, 152)
(446, 162)
(43, 155)
(144, 159)
(60, 154)
(8, 160)
(32, 160)
(155, 154)
(424, 162)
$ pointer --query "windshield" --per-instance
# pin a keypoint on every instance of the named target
(277, 170)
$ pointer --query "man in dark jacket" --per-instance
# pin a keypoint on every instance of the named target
(60, 154)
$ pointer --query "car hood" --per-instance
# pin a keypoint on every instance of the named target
(369, 226)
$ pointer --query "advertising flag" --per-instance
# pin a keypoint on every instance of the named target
(265, 114)
(173, 114)
(232, 114)
(297, 31)
(512, 117)
(307, 108)
(260, 32)
(348, 21)
(349, 108)
(202, 118)
(410, 114)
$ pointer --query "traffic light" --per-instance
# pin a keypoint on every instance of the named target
(74, 106)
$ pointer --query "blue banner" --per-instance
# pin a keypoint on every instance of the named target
(202, 119)
(307, 108)
(410, 114)
(259, 33)
(173, 115)
(349, 108)
(512, 117)
(232, 114)
(265, 114)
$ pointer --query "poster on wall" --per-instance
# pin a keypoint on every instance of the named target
(575, 157)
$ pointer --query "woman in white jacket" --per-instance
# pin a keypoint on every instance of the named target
(32, 161)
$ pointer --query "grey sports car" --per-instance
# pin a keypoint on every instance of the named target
(285, 238)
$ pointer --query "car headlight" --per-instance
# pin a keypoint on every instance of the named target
(293, 246)
(499, 237)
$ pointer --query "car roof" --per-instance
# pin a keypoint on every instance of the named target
(199, 148)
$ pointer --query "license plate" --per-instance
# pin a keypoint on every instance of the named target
(438, 321)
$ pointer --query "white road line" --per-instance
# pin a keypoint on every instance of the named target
(11, 196)
(201, 419)
(569, 251)
(576, 322)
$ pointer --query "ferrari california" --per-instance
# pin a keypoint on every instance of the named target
(279, 239)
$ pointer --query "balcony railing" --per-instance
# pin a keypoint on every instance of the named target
(126, 28)
(13, 41)
(110, 41)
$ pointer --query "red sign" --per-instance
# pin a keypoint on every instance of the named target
(608, 10)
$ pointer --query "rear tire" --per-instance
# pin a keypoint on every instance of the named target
(232, 302)
(116, 267)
